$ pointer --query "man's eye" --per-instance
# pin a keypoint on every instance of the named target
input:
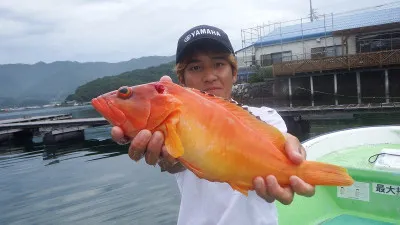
(195, 68)
(219, 64)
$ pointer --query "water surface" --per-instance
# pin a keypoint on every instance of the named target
(95, 182)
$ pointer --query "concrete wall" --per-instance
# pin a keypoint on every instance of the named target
(299, 49)
(351, 43)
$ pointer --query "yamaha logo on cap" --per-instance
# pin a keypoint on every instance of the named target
(187, 38)
(202, 32)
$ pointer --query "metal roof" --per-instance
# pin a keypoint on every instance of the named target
(328, 24)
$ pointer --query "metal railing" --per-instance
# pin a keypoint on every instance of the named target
(360, 60)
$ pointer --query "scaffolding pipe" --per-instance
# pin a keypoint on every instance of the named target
(325, 30)
(302, 38)
(333, 38)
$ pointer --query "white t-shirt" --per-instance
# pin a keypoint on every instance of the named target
(213, 203)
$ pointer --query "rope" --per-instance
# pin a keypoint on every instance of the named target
(347, 96)
(379, 154)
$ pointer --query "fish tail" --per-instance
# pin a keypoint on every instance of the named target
(318, 173)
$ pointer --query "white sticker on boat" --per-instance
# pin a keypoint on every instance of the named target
(357, 191)
(386, 189)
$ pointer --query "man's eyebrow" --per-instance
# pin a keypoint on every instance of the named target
(218, 57)
(193, 61)
(214, 57)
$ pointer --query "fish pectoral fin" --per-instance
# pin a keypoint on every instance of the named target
(240, 189)
(172, 141)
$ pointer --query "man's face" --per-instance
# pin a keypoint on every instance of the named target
(210, 72)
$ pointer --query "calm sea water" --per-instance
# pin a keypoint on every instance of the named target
(95, 182)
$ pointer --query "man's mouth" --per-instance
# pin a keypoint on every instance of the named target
(212, 89)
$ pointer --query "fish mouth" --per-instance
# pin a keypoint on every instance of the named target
(111, 113)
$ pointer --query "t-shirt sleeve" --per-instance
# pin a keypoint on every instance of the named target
(270, 116)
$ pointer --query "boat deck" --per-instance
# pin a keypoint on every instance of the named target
(373, 199)
(353, 220)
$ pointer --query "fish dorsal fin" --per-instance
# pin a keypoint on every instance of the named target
(268, 131)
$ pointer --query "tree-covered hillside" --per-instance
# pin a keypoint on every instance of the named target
(99, 86)
(24, 84)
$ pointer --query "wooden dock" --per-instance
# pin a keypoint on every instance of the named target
(63, 127)
(37, 118)
(298, 118)
(54, 127)
(54, 123)
(349, 108)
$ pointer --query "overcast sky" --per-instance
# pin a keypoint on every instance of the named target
(118, 30)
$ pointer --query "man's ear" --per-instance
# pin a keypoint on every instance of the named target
(181, 80)
(235, 76)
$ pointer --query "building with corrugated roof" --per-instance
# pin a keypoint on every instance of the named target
(365, 38)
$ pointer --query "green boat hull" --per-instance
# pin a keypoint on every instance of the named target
(374, 199)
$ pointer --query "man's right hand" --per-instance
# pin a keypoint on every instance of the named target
(150, 146)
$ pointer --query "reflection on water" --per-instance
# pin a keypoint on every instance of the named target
(86, 111)
(95, 182)
(330, 124)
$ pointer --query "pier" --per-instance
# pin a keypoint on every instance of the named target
(309, 111)
(298, 118)
(59, 128)
(53, 128)
(37, 118)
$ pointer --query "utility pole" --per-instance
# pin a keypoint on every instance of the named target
(311, 12)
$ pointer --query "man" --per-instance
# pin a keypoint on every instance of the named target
(205, 61)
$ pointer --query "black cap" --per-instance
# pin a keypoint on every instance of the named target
(202, 32)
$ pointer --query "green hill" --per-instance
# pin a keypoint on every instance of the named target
(25, 84)
(99, 86)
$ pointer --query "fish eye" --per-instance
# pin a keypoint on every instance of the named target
(124, 92)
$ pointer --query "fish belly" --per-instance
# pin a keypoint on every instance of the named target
(223, 150)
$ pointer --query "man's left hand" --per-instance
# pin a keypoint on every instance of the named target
(269, 189)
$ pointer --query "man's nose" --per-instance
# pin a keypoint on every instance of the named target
(210, 74)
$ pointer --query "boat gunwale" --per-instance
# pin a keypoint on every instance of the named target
(317, 146)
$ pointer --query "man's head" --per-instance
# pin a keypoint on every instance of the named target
(205, 60)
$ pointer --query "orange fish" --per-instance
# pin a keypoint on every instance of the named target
(214, 138)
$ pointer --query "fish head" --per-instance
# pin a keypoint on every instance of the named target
(133, 108)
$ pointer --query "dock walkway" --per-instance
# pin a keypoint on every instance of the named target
(37, 118)
(54, 123)
(55, 127)
(52, 126)
(349, 108)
